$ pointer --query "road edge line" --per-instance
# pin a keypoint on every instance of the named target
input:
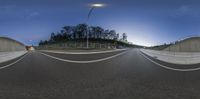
(169, 68)
(5, 66)
(100, 52)
(83, 62)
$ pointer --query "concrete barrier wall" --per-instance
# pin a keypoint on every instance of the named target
(7, 44)
(188, 45)
(174, 57)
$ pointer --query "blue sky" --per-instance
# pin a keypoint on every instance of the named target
(147, 22)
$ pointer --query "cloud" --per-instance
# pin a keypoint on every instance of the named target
(7, 9)
(31, 15)
(186, 10)
(34, 14)
(17, 12)
(183, 10)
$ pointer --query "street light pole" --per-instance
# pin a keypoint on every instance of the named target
(89, 14)
(93, 6)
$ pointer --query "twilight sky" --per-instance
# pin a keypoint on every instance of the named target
(147, 22)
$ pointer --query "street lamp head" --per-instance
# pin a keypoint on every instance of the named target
(98, 5)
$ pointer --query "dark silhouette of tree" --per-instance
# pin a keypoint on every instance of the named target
(98, 31)
(112, 34)
(124, 37)
(116, 37)
(79, 32)
(52, 38)
(41, 42)
(68, 31)
(106, 34)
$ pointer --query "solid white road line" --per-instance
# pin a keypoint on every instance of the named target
(2, 67)
(169, 68)
(59, 52)
(82, 62)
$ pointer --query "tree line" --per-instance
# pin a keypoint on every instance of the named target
(80, 32)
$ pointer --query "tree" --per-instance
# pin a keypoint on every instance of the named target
(124, 37)
(41, 43)
(59, 37)
(99, 32)
(116, 37)
(92, 32)
(81, 31)
(112, 34)
(64, 35)
(68, 32)
(45, 42)
(106, 34)
(52, 38)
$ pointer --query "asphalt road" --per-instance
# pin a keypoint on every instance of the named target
(128, 76)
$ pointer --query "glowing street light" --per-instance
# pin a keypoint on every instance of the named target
(93, 6)
(98, 5)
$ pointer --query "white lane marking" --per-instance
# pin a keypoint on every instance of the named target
(83, 52)
(10, 56)
(81, 62)
(169, 68)
(2, 67)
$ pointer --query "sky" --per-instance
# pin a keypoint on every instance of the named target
(146, 22)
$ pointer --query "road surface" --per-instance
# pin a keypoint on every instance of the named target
(128, 76)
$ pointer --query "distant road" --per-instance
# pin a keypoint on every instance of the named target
(127, 76)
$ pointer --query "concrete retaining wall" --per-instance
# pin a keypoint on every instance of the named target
(185, 58)
(187, 45)
(7, 44)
